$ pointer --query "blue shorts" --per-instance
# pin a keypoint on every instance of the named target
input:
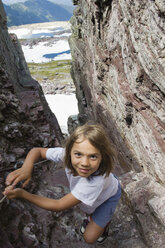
(103, 214)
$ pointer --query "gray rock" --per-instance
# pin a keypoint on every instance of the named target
(118, 69)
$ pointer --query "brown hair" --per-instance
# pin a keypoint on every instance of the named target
(98, 138)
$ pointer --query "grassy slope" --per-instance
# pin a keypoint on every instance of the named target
(51, 70)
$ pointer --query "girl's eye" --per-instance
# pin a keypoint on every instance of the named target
(77, 154)
(93, 157)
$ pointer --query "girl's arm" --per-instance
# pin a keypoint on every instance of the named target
(65, 202)
(25, 172)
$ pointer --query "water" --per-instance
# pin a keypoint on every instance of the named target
(53, 55)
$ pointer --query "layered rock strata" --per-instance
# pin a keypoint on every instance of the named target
(119, 71)
(26, 120)
(117, 49)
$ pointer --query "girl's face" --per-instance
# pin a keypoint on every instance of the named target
(85, 157)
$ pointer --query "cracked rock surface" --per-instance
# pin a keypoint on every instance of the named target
(118, 71)
(29, 226)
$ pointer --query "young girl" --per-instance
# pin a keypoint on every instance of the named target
(88, 158)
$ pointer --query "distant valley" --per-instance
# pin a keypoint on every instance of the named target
(59, 2)
(37, 11)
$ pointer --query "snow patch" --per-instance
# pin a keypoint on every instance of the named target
(37, 52)
(62, 106)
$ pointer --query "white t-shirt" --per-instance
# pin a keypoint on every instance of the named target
(93, 191)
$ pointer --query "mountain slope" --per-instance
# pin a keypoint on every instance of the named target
(35, 11)
(9, 2)
(63, 2)
(59, 2)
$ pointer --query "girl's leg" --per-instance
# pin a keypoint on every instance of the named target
(100, 219)
(92, 232)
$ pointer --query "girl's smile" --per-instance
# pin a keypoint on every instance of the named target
(85, 157)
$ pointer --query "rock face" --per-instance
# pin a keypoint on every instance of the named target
(25, 121)
(117, 49)
(25, 118)
(118, 68)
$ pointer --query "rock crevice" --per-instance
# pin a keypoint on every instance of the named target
(118, 70)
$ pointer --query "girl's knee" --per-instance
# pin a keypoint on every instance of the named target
(89, 239)
(92, 232)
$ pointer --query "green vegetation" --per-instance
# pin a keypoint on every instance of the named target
(50, 70)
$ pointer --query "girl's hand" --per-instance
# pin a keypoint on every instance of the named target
(25, 172)
(22, 174)
(12, 192)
